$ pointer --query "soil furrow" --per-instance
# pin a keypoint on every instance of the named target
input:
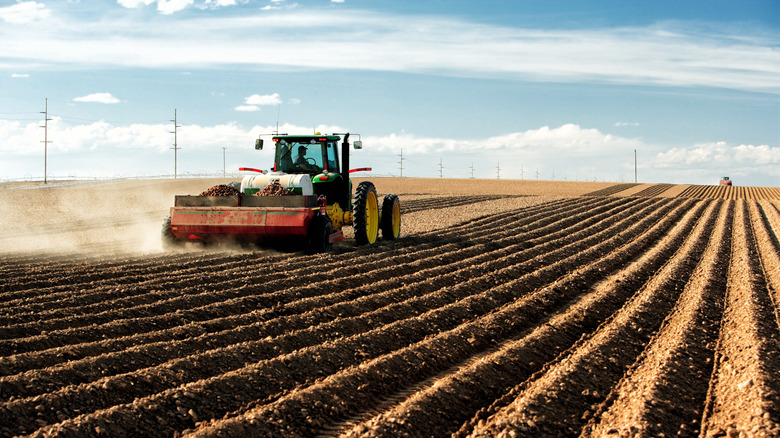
(378, 294)
(634, 310)
(581, 377)
(21, 288)
(654, 190)
(611, 190)
(342, 280)
(169, 278)
(204, 368)
(357, 387)
(744, 397)
(664, 393)
(448, 402)
(445, 202)
(322, 357)
(768, 249)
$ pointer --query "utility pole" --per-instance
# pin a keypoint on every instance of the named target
(45, 141)
(522, 172)
(175, 147)
(472, 170)
(223, 161)
(498, 171)
(537, 173)
(402, 163)
(635, 166)
(441, 169)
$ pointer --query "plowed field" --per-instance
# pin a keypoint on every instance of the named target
(572, 311)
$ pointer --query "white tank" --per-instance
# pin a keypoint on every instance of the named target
(300, 184)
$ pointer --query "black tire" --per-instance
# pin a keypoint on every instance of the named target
(169, 241)
(391, 217)
(365, 214)
(320, 229)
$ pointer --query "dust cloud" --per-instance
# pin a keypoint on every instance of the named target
(95, 218)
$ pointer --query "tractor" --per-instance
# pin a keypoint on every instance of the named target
(319, 204)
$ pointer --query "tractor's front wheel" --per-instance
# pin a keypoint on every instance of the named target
(391, 217)
(365, 214)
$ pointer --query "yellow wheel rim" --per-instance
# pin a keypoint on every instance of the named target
(396, 220)
(372, 217)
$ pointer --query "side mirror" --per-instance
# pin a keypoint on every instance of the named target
(358, 144)
(259, 144)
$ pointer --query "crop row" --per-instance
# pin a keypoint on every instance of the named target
(730, 192)
(596, 314)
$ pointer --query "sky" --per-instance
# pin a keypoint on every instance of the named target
(681, 92)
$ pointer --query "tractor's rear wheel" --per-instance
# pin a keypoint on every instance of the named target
(391, 217)
(365, 214)
(169, 241)
(320, 229)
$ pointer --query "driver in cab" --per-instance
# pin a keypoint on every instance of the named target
(303, 162)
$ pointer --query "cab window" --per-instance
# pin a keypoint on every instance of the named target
(333, 163)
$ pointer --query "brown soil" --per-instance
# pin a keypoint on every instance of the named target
(504, 309)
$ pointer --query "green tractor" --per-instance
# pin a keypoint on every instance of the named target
(318, 201)
(309, 165)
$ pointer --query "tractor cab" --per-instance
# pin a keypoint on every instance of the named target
(310, 155)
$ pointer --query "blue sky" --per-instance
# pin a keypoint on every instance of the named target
(510, 89)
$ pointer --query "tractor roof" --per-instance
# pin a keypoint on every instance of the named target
(316, 137)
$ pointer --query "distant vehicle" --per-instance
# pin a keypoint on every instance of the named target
(725, 181)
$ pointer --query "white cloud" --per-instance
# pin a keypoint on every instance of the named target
(97, 98)
(167, 7)
(569, 139)
(746, 164)
(219, 3)
(757, 154)
(24, 139)
(132, 4)
(621, 124)
(266, 99)
(20, 75)
(171, 6)
(24, 12)
(565, 152)
(255, 101)
(667, 54)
